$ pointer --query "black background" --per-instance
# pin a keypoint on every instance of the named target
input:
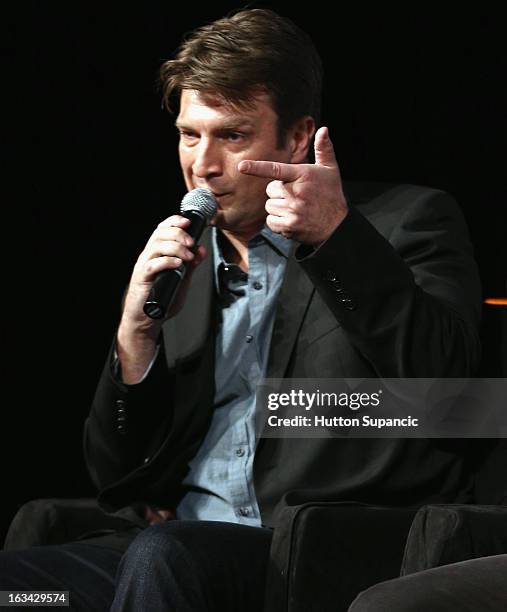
(409, 96)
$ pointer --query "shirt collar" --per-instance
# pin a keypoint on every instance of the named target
(278, 242)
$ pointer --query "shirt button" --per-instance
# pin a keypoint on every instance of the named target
(240, 452)
(244, 511)
(249, 338)
(257, 285)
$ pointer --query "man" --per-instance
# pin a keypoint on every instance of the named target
(300, 276)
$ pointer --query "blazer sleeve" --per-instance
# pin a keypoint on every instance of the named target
(410, 301)
(119, 431)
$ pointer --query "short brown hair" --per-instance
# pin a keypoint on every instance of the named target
(249, 51)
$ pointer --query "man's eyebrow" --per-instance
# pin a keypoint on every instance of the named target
(227, 125)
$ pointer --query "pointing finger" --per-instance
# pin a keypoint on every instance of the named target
(270, 169)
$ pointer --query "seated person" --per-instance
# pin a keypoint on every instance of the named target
(299, 276)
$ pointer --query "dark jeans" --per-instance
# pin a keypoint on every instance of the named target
(176, 565)
(477, 585)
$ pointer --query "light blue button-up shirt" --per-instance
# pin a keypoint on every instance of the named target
(219, 484)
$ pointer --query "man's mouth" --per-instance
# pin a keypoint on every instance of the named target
(216, 192)
(220, 198)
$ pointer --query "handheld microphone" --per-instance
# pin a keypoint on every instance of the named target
(198, 205)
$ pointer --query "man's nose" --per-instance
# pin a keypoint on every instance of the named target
(208, 161)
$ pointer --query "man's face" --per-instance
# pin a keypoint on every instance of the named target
(214, 138)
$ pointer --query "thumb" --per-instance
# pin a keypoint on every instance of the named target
(324, 151)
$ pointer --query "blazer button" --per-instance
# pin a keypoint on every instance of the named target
(121, 429)
(330, 276)
(350, 305)
(120, 403)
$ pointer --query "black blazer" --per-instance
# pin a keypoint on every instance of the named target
(394, 292)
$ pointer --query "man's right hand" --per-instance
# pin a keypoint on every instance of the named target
(167, 248)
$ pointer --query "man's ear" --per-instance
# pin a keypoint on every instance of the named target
(300, 137)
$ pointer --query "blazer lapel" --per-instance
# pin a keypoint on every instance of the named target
(292, 304)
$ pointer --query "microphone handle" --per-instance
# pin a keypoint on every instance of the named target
(165, 285)
(162, 292)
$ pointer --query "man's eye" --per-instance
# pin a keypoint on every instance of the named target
(234, 136)
(185, 134)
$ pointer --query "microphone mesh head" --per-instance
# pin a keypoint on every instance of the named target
(200, 200)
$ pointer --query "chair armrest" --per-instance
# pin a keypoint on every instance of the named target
(324, 554)
(55, 521)
(442, 534)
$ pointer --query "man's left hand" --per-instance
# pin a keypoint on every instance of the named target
(306, 201)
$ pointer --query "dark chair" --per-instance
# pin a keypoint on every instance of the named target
(56, 521)
(324, 554)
